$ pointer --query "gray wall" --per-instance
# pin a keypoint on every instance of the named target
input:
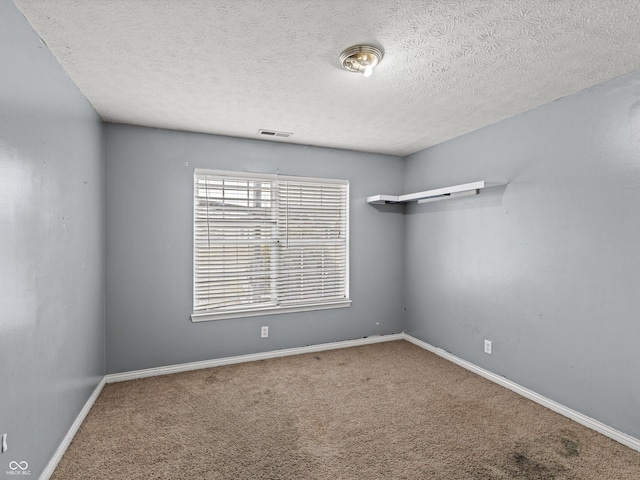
(51, 247)
(150, 248)
(547, 267)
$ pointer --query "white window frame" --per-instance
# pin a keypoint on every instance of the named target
(237, 311)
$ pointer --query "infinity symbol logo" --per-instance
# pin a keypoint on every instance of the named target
(18, 465)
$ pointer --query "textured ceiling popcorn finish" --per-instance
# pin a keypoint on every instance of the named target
(235, 67)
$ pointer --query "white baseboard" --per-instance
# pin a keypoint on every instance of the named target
(578, 417)
(53, 463)
(185, 367)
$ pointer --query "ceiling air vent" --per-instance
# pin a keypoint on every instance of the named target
(274, 133)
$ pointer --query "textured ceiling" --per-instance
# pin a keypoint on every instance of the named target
(233, 67)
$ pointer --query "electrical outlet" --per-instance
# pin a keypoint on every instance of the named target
(487, 347)
(4, 442)
(264, 332)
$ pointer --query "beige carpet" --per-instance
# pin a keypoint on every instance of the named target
(383, 411)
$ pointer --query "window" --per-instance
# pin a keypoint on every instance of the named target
(268, 244)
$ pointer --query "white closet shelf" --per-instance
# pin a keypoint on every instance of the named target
(463, 190)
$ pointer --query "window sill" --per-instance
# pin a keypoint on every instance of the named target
(227, 314)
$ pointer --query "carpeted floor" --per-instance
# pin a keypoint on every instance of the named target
(382, 411)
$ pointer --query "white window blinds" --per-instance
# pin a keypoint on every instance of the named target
(268, 244)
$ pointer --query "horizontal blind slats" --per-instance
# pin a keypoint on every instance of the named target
(260, 241)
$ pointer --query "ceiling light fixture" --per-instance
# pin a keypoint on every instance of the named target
(361, 59)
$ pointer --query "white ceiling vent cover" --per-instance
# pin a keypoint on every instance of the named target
(274, 133)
